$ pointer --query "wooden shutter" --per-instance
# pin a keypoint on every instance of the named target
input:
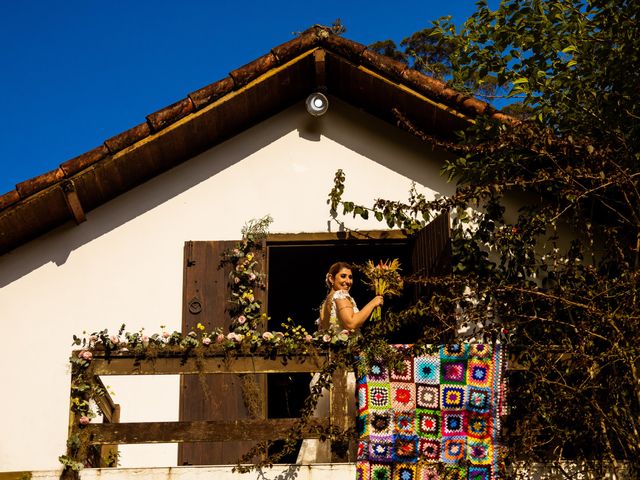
(430, 250)
(210, 397)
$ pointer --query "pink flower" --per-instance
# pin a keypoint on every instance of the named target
(145, 340)
(326, 338)
(166, 334)
(267, 336)
(308, 338)
(231, 336)
(220, 338)
(84, 420)
(252, 276)
(85, 355)
(345, 332)
(206, 341)
(242, 319)
(114, 339)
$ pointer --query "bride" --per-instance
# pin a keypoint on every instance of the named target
(339, 310)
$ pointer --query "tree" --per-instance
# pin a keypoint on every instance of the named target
(560, 277)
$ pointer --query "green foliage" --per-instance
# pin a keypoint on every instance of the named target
(558, 276)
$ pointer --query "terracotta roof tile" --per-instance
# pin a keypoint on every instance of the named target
(127, 138)
(342, 46)
(190, 138)
(35, 184)
(438, 90)
(171, 114)
(83, 161)
(9, 198)
(243, 75)
(384, 64)
(296, 46)
(212, 92)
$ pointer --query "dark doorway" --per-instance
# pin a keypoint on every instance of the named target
(296, 273)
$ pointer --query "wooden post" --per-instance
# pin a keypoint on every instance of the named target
(338, 412)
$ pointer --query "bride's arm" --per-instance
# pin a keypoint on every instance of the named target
(351, 319)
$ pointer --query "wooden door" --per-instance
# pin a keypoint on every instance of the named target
(210, 397)
(430, 251)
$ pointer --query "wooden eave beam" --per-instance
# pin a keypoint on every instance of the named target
(73, 201)
(321, 75)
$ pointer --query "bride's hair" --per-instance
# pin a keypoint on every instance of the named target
(333, 271)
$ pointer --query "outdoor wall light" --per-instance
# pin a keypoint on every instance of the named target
(317, 104)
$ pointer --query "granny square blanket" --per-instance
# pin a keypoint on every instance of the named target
(435, 416)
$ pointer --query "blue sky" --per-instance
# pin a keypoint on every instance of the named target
(74, 73)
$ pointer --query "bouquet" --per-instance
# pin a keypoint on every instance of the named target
(385, 280)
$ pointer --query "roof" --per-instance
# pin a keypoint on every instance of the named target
(316, 59)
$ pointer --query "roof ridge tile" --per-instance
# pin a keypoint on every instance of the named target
(83, 161)
(252, 70)
(127, 138)
(171, 114)
(212, 92)
(35, 184)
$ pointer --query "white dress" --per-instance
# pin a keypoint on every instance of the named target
(313, 450)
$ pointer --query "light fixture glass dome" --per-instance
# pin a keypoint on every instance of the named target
(317, 104)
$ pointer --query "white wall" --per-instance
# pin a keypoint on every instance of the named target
(124, 264)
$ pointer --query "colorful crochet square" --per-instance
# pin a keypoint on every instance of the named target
(479, 373)
(379, 396)
(380, 471)
(362, 470)
(478, 425)
(454, 449)
(456, 351)
(427, 396)
(405, 448)
(405, 472)
(435, 416)
(453, 372)
(479, 399)
(404, 373)
(404, 423)
(363, 450)
(427, 369)
(428, 423)
(479, 473)
(381, 449)
(403, 396)
(429, 449)
(363, 398)
(452, 397)
(362, 426)
(428, 473)
(453, 424)
(381, 423)
(378, 371)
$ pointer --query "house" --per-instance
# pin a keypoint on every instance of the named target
(106, 238)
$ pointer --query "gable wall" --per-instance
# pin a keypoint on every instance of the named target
(124, 265)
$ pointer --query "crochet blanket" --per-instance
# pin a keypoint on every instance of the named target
(435, 417)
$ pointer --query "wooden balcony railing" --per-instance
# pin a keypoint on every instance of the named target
(99, 441)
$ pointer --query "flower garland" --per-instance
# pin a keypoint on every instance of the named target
(246, 277)
(246, 337)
